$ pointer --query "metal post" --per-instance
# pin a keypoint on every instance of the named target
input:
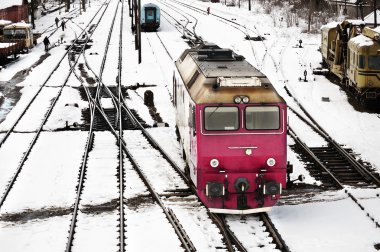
(132, 8)
(32, 13)
(139, 29)
(249, 5)
(67, 5)
(345, 7)
(136, 25)
(374, 12)
(361, 10)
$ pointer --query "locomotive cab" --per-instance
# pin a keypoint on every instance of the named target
(232, 124)
(19, 32)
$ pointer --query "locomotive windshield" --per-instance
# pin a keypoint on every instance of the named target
(15, 34)
(374, 62)
(150, 14)
(221, 118)
(262, 118)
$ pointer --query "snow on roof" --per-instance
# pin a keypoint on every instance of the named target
(362, 40)
(9, 3)
(356, 21)
(330, 25)
(5, 22)
(18, 25)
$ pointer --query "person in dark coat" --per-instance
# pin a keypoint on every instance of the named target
(208, 10)
(56, 21)
(63, 25)
(46, 43)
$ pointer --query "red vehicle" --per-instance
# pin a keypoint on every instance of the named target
(232, 126)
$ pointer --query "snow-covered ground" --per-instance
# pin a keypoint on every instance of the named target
(327, 221)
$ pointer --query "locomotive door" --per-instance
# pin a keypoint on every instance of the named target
(150, 15)
(193, 141)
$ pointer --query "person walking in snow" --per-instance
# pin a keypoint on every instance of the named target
(56, 21)
(63, 25)
(46, 43)
(208, 10)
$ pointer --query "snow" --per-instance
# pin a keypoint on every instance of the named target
(325, 226)
(9, 3)
(6, 45)
(362, 40)
(4, 22)
(18, 25)
(318, 221)
(62, 166)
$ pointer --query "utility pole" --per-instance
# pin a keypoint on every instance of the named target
(249, 5)
(309, 18)
(130, 8)
(374, 12)
(139, 29)
(32, 8)
(67, 5)
(136, 24)
(345, 7)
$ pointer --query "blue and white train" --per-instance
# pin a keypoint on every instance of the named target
(150, 17)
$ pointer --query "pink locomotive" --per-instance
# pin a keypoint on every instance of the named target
(232, 126)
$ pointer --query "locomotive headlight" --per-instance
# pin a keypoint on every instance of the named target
(214, 163)
(237, 99)
(271, 162)
(245, 99)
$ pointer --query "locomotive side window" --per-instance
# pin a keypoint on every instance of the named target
(374, 62)
(221, 118)
(262, 118)
(361, 60)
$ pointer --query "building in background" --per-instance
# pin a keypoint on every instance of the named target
(14, 10)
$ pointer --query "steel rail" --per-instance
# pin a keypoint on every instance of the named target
(43, 85)
(334, 178)
(88, 146)
(223, 228)
(274, 233)
(137, 124)
(156, 197)
(121, 153)
(188, 21)
(355, 164)
(47, 114)
(315, 158)
(186, 243)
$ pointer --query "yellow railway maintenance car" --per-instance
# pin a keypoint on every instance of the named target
(363, 71)
(351, 52)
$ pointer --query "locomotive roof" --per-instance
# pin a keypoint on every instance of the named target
(150, 5)
(215, 75)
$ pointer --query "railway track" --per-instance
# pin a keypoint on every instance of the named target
(123, 137)
(40, 96)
